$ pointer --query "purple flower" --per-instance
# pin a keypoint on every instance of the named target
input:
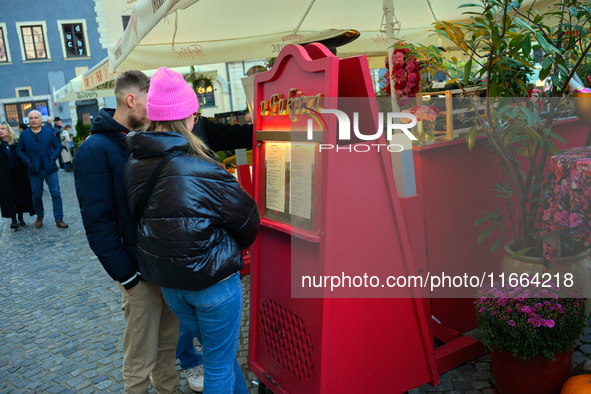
(550, 323)
(482, 309)
(538, 305)
(511, 323)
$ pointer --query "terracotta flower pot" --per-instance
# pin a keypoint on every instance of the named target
(536, 376)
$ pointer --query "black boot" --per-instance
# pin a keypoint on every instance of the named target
(14, 224)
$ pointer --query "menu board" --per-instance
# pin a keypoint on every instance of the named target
(290, 181)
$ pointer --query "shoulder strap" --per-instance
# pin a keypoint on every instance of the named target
(143, 202)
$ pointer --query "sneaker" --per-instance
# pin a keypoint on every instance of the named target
(195, 378)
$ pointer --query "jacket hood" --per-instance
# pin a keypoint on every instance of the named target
(146, 144)
(104, 123)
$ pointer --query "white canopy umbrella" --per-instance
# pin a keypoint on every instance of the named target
(74, 90)
(192, 32)
(182, 32)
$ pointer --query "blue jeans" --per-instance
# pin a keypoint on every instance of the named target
(53, 183)
(213, 317)
(188, 356)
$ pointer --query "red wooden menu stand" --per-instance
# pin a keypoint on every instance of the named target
(315, 340)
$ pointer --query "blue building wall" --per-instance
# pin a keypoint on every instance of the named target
(44, 76)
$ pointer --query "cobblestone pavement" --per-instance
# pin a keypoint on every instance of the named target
(61, 325)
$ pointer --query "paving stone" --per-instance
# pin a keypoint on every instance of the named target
(66, 336)
(462, 385)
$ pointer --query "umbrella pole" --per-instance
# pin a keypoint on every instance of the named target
(402, 162)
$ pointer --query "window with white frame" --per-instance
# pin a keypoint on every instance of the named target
(33, 40)
(74, 38)
(24, 91)
(4, 49)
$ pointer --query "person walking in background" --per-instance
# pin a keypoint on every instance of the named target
(22, 127)
(196, 224)
(49, 123)
(151, 331)
(57, 131)
(15, 188)
(38, 149)
(66, 155)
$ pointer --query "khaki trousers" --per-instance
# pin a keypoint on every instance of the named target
(149, 343)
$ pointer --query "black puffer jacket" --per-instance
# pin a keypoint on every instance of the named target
(197, 220)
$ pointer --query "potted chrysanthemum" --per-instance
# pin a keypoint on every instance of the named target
(531, 333)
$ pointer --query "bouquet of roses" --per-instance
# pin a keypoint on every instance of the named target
(406, 75)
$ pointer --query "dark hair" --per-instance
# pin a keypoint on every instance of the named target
(130, 80)
(22, 126)
(68, 126)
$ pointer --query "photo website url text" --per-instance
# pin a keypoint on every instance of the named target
(544, 280)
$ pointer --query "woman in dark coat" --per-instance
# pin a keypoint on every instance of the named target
(192, 227)
(15, 187)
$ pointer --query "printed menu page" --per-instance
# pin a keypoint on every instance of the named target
(275, 183)
(301, 172)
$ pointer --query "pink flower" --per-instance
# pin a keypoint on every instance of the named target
(550, 323)
(511, 323)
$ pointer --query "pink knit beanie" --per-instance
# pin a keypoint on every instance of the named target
(170, 97)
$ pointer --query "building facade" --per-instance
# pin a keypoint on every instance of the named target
(43, 45)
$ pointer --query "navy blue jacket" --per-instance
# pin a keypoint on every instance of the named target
(31, 152)
(197, 219)
(110, 228)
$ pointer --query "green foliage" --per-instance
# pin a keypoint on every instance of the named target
(82, 132)
(198, 80)
(526, 323)
(499, 40)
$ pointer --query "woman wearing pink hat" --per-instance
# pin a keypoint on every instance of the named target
(194, 220)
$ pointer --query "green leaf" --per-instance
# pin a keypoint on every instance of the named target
(558, 138)
(522, 24)
(521, 85)
(481, 220)
(484, 235)
(573, 11)
(552, 147)
(496, 245)
(555, 80)
(520, 253)
(531, 132)
(467, 71)
(471, 137)
(526, 45)
(546, 46)
(470, 5)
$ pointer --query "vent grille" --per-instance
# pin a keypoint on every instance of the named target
(287, 340)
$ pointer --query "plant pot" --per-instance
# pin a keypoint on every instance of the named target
(537, 375)
(579, 266)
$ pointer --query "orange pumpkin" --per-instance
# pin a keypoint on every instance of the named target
(580, 384)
